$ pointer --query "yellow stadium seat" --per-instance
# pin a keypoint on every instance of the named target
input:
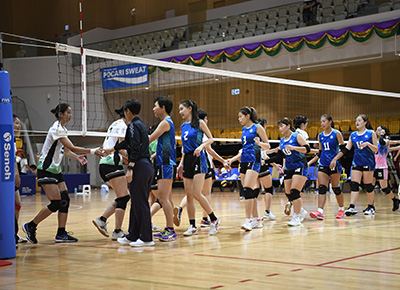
(394, 126)
(345, 125)
(313, 132)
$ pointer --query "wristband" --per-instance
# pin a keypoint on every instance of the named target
(93, 150)
(130, 167)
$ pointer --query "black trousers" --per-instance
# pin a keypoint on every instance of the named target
(140, 218)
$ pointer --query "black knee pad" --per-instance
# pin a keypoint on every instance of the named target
(337, 190)
(355, 186)
(270, 190)
(64, 205)
(16, 188)
(248, 193)
(157, 201)
(294, 194)
(256, 192)
(123, 201)
(54, 205)
(287, 195)
(369, 187)
(322, 189)
(387, 190)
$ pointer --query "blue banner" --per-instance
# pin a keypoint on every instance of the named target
(124, 76)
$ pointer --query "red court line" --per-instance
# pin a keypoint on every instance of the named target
(216, 287)
(361, 270)
(247, 280)
(271, 275)
(295, 270)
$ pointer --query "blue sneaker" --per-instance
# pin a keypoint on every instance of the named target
(158, 235)
(66, 238)
(168, 236)
(30, 233)
(205, 223)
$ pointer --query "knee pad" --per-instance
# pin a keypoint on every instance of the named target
(337, 190)
(287, 195)
(387, 190)
(17, 207)
(270, 190)
(322, 189)
(369, 187)
(157, 201)
(355, 186)
(123, 201)
(16, 188)
(54, 205)
(248, 193)
(294, 194)
(64, 205)
(256, 192)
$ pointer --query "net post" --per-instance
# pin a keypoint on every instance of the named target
(84, 93)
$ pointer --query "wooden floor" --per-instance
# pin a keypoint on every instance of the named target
(355, 253)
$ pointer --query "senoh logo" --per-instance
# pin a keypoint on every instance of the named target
(7, 153)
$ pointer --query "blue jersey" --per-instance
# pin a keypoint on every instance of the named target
(330, 148)
(191, 137)
(294, 159)
(362, 157)
(166, 146)
(251, 151)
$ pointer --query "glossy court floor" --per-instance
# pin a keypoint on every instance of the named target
(354, 253)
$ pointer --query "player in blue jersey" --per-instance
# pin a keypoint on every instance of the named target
(293, 147)
(329, 167)
(165, 163)
(250, 162)
(365, 145)
(193, 165)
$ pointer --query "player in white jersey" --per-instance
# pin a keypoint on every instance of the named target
(111, 171)
(50, 177)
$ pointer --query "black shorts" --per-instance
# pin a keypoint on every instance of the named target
(244, 166)
(210, 173)
(363, 168)
(193, 165)
(108, 172)
(264, 171)
(45, 177)
(381, 174)
(327, 170)
(288, 174)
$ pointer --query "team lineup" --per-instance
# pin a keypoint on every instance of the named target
(152, 167)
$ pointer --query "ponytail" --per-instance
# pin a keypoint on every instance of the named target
(286, 121)
(250, 111)
(61, 108)
(365, 118)
(195, 114)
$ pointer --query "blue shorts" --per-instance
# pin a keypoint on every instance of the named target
(244, 166)
(303, 171)
(165, 172)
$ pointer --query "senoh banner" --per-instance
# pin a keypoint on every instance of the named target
(7, 158)
(124, 76)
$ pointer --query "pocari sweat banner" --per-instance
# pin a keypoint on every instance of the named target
(128, 75)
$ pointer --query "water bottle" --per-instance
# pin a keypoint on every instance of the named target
(75, 190)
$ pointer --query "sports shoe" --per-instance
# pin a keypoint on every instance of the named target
(317, 215)
(124, 241)
(30, 233)
(21, 240)
(168, 236)
(295, 221)
(257, 223)
(101, 226)
(177, 216)
(115, 235)
(350, 211)
(158, 235)
(396, 203)
(241, 197)
(288, 208)
(191, 231)
(205, 223)
(340, 214)
(269, 216)
(140, 243)
(369, 211)
(66, 238)
(154, 228)
(247, 225)
(303, 214)
(214, 227)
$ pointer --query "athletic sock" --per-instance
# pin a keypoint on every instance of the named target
(341, 208)
(212, 217)
(266, 211)
(321, 210)
(170, 229)
(61, 231)
(103, 219)
(394, 198)
(205, 218)
(117, 230)
(192, 223)
(32, 225)
(352, 205)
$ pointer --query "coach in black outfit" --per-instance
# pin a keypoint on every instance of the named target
(139, 176)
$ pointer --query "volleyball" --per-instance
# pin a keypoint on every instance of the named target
(224, 183)
(224, 172)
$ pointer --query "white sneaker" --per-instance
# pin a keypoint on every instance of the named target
(140, 243)
(369, 211)
(214, 226)
(269, 216)
(101, 226)
(21, 240)
(191, 231)
(124, 241)
(256, 223)
(115, 236)
(154, 228)
(295, 221)
(247, 225)
(303, 214)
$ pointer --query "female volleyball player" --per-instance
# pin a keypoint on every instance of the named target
(50, 177)
(139, 176)
(365, 145)
(165, 163)
(293, 146)
(111, 171)
(381, 171)
(193, 165)
(329, 141)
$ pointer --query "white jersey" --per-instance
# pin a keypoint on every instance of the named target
(53, 150)
(208, 155)
(118, 127)
(303, 133)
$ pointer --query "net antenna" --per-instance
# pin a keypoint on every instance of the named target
(83, 68)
